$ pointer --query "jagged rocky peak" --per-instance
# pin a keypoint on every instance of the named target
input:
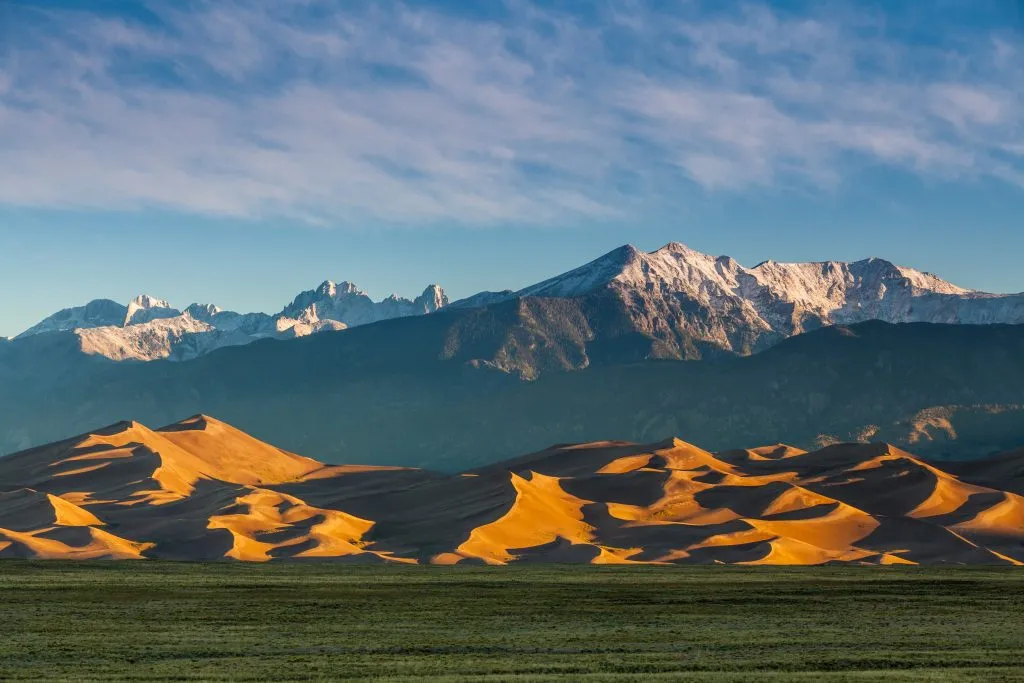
(205, 312)
(148, 328)
(348, 305)
(333, 290)
(147, 301)
(144, 308)
(328, 292)
(432, 298)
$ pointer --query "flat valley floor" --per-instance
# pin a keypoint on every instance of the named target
(221, 621)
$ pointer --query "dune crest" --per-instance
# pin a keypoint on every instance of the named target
(203, 490)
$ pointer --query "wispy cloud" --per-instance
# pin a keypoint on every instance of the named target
(314, 110)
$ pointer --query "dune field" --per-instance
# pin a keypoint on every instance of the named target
(202, 490)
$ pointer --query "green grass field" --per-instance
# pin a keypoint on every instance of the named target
(161, 621)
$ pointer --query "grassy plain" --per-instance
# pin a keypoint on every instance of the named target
(221, 621)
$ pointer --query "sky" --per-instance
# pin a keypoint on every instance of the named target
(236, 153)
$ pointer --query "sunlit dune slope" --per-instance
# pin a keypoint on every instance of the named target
(232, 455)
(40, 525)
(202, 490)
(131, 463)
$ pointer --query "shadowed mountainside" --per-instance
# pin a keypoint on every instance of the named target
(423, 391)
(202, 490)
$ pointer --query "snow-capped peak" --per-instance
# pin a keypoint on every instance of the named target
(720, 302)
(147, 301)
(676, 248)
(345, 303)
(928, 282)
(203, 311)
(145, 308)
(96, 313)
(148, 328)
(588, 277)
(333, 290)
(432, 298)
(676, 266)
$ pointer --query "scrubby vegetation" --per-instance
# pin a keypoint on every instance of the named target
(221, 621)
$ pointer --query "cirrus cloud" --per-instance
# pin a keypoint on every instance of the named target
(314, 110)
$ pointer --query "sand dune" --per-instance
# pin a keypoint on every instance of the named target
(267, 524)
(232, 455)
(200, 489)
(44, 526)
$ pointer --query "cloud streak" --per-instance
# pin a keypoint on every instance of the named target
(311, 110)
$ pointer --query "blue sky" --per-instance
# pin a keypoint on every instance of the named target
(237, 152)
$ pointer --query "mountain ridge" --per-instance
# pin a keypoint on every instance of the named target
(687, 303)
(675, 291)
(148, 328)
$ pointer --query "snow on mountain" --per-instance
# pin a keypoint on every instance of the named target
(98, 313)
(149, 328)
(484, 299)
(714, 299)
(432, 299)
(347, 304)
(682, 299)
(589, 277)
(204, 312)
(292, 327)
(145, 308)
(150, 340)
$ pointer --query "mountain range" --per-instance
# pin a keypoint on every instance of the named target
(203, 490)
(685, 303)
(150, 329)
(685, 300)
(810, 354)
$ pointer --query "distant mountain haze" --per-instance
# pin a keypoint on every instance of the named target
(426, 391)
